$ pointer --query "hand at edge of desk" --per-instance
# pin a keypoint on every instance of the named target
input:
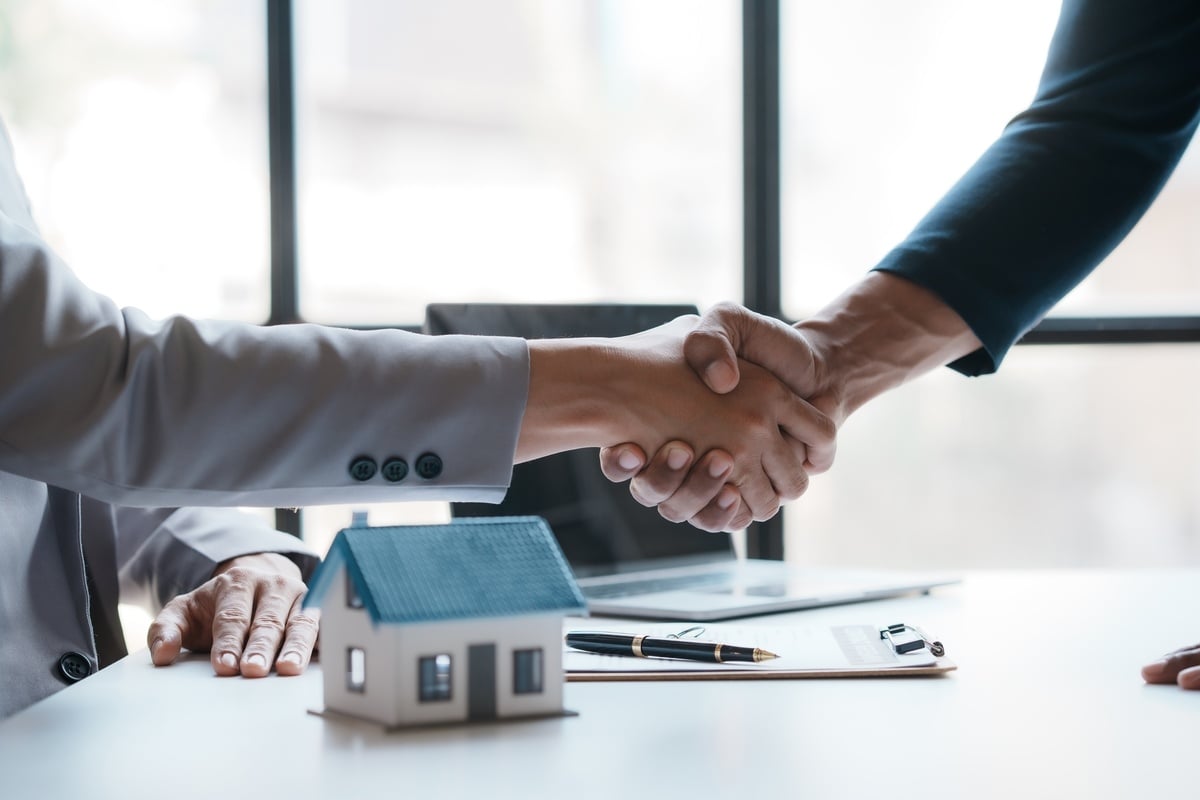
(1181, 666)
(248, 616)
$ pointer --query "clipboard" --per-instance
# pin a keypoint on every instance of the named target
(837, 651)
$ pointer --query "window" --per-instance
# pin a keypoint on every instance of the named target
(356, 669)
(473, 150)
(353, 599)
(883, 107)
(139, 130)
(875, 133)
(434, 678)
(593, 150)
(527, 671)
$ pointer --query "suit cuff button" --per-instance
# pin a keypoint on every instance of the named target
(363, 468)
(429, 466)
(395, 470)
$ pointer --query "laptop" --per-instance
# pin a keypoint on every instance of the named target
(629, 561)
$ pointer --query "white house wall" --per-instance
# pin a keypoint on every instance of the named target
(453, 638)
(343, 627)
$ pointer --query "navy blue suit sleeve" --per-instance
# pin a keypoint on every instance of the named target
(1117, 104)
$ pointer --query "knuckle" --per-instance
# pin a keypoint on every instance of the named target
(741, 520)
(649, 489)
(636, 493)
(269, 622)
(796, 484)
(671, 514)
(232, 616)
(304, 624)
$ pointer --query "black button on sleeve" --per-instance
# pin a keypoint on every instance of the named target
(363, 468)
(74, 667)
(395, 470)
(429, 466)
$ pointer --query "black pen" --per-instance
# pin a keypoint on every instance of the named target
(623, 644)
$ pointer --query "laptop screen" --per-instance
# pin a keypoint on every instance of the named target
(600, 528)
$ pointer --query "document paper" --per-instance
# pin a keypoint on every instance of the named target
(837, 649)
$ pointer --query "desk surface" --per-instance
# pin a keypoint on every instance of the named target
(1047, 702)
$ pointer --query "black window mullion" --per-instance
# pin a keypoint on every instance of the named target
(1115, 330)
(281, 147)
(762, 283)
(281, 134)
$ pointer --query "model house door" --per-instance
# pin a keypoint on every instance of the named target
(481, 681)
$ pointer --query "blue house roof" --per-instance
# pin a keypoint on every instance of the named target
(471, 567)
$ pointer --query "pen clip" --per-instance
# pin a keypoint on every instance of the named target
(915, 640)
(694, 632)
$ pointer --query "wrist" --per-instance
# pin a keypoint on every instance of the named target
(263, 562)
(881, 333)
(571, 402)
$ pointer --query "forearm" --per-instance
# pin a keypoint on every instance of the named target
(879, 334)
(571, 393)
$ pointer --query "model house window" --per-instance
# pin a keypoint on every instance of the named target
(353, 600)
(434, 677)
(527, 671)
(356, 669)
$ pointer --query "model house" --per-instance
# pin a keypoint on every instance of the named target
(429, 624)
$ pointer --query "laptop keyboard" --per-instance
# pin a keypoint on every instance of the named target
(706, 580)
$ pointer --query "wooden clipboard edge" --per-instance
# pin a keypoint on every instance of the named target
(942, 667)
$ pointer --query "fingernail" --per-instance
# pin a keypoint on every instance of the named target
(1189, 678)
(228, 660)
(289, 658)
(726, 499)
(1154, 671)
(677, 458)
(628, 460)
(719, 375)
(256, 660)
(157, 643)
(718, 466)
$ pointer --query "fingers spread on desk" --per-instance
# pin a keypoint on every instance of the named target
(299, 641)
(233, 599)
(1181, 666)
(277, 601)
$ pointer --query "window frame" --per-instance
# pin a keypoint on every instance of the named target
(529, 671)
(762, 232)
(438, 689)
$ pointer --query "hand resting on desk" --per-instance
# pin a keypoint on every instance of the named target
(1181, 666)
(247, 616)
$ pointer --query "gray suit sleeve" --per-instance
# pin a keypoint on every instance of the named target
(161, 553)
(179, 412)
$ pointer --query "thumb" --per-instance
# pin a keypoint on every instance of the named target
(711, 347)
(728, 332)
(166, 634)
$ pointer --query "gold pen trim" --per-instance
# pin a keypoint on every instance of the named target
(637, 646)
(717, 654)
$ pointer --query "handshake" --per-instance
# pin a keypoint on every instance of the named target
(718, 420)
(739, 433)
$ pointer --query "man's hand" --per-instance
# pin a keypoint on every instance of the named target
(639, 388)
(880, 333)
(1181, 667)
(248, 616)
(716, 348)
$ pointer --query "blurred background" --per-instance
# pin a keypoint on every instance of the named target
(591, 150)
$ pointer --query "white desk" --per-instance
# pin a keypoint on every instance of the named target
(1047, 702)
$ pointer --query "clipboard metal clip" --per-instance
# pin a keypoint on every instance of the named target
(907, 638)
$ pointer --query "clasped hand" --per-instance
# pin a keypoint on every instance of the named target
(734, 352)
